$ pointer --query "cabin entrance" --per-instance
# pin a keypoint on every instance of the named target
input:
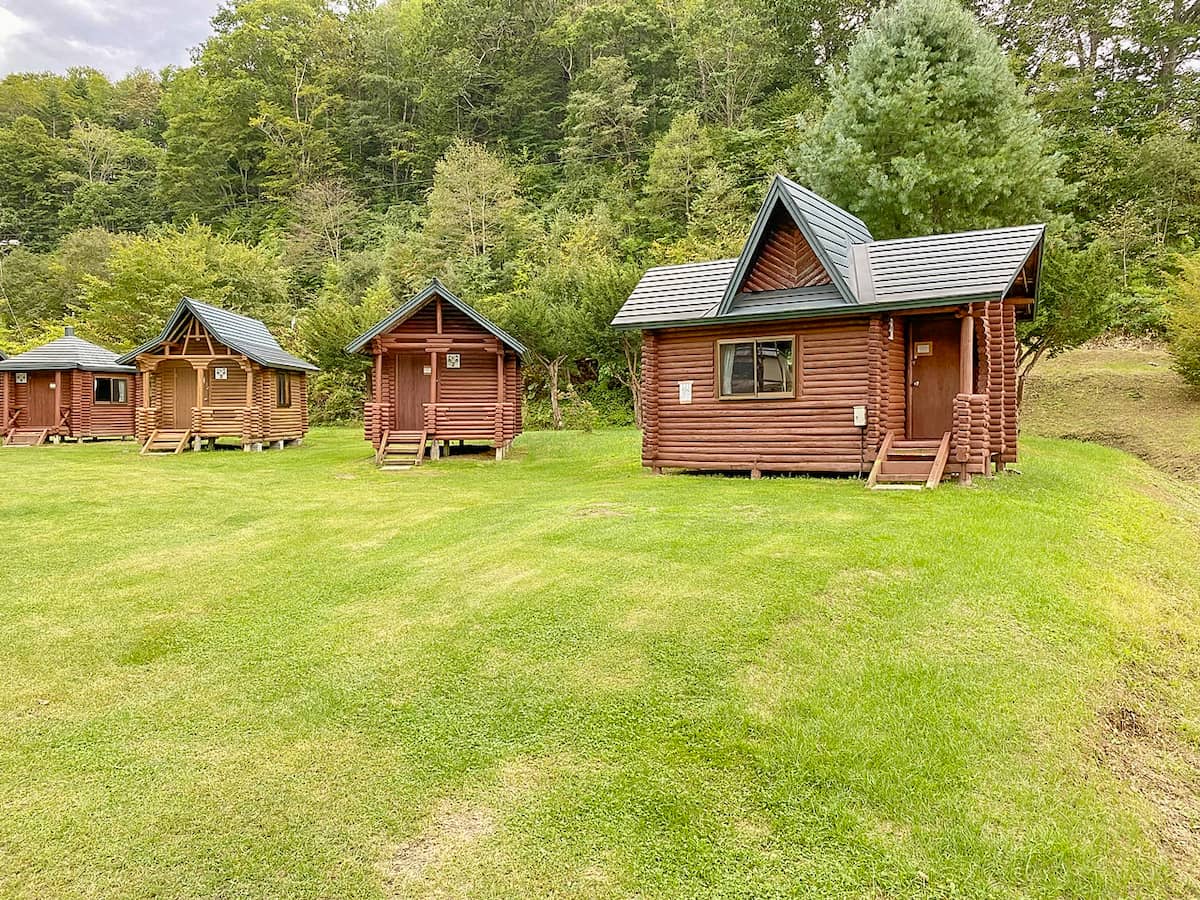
(179, 383)
(43, 391)
(412, 391)
(933, 361)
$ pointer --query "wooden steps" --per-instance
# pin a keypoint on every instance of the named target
(909, 464)
(163, 442)
(400, 450)
(26, 437)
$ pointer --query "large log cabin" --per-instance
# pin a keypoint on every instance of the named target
(68, 388)
(441, 372)
(820, 349)
(213, 374)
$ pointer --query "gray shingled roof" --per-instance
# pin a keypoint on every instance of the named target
(237, 332)
(676, 293)
(66, 352)
(434, 288)
(864, 273)
(968, 265)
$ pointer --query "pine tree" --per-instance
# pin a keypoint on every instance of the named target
(928, 131)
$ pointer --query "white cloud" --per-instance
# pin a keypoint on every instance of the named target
(114, 36)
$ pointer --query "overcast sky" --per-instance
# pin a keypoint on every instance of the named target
(114, 36)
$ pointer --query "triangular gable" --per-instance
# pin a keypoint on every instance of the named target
(406, 311)
(827, 231)
(783, 259)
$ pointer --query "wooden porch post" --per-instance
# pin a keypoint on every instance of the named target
(197, 416)
(966, 356)
(5, 381)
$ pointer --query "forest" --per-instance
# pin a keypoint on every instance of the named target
(318, 162)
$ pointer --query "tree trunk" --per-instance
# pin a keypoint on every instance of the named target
(1024, 366)
(553, 369)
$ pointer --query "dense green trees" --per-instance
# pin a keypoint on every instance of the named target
(319, 161)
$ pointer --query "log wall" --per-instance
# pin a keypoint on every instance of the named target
(840, 363)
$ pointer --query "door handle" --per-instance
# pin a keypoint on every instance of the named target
(917, 383)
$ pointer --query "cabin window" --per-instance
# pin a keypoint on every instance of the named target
(111, 390)
(283, 389)
(758, 368)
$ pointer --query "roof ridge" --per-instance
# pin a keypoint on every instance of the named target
(945, 234)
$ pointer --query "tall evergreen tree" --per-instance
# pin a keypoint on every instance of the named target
(928, 131)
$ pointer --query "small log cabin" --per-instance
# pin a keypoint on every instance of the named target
(213, 374)
(820, 349)
(67, 389)
(442, 372)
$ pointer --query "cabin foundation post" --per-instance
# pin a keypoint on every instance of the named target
(656, 470)
(278, 445)
(756, 473)
(435, 450)
(197, 444)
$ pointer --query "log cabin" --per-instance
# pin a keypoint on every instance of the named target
(819, 349)
(67, 389)
(441, 372)
(213, 374)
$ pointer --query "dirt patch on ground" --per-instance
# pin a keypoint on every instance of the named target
(1165, 772)
(454, 830)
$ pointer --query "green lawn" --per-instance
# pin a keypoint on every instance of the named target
(287, 674)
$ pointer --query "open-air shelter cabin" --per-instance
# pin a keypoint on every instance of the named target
(820, 349)
(441, 372)
(67, 389)
(213, 374)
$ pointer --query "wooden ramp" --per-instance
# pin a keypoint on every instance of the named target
(166, 442)
(400, 450)
(26, 437)
(909, 465)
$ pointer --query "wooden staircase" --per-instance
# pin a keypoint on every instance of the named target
(162, 442)
(400, 450)
(909, 465)
(26, 437)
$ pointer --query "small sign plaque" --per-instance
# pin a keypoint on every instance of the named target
(428, 370)
(924, 348)
(22, 378)
(221, 373)
(453, 361)
(685, 392)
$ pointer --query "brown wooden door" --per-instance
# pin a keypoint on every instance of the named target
(412, 391)
(43, 398)
(933, 375)
(184, 396)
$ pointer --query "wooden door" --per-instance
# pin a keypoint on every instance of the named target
(184, 394)
(412, 391)
(933, 375)
(43, 398)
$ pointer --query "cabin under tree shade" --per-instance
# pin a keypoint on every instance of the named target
(819, 349)
(68, 389)
(213, 374)
(440, 372)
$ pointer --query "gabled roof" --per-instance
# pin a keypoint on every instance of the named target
(864, 273)
(66, 352)
(434, 289)
(239, 333)
(968, 265)
(829, 230)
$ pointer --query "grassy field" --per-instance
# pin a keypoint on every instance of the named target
(1125, 397)
(287, 674)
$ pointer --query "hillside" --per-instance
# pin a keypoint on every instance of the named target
(1125, 397)
(289, 674)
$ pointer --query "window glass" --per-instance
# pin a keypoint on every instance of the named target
(759, 368)
(774, 367)
(110, 390)
(737, 369)
(283, 388)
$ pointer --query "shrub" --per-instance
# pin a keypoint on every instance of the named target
(335, 397)
(1185, 320)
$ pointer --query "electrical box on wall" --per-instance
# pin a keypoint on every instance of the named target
(860, 417)
(685, 392)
